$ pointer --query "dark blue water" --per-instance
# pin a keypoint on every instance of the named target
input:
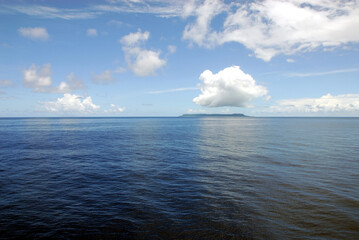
(179, 178)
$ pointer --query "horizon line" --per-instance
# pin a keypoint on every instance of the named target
(181, 116)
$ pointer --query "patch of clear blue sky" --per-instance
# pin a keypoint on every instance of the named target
(70, 49)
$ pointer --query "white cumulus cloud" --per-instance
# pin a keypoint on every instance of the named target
(272, 27)
(115, 109)
(133, 39)
(92, 32)
(325, 104)
(144, 62)
(71, 104)
(141, 62)
(40, 80)
(36, 33)
(229, 87)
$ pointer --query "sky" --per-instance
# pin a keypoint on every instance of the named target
(168, 58)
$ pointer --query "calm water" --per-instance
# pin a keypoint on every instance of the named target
(179, 178)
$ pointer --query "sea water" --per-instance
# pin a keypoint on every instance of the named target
(179, 178)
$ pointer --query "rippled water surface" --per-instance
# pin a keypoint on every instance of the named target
(179, 178)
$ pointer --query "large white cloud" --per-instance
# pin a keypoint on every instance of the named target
(272, 27)
(325, 104)
(71, 104)
(40, 80)
(36, 33)
(229, 87)
(142, 62)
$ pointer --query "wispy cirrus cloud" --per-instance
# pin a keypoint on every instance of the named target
(174, 90)
(161, 8)
(311, 74)
(52, 12)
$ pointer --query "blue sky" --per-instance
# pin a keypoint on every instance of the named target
(167, 58)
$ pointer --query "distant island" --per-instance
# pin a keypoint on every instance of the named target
(214, 115)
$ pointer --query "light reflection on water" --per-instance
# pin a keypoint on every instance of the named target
(179, 178)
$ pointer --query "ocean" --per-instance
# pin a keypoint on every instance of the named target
(179, 178)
